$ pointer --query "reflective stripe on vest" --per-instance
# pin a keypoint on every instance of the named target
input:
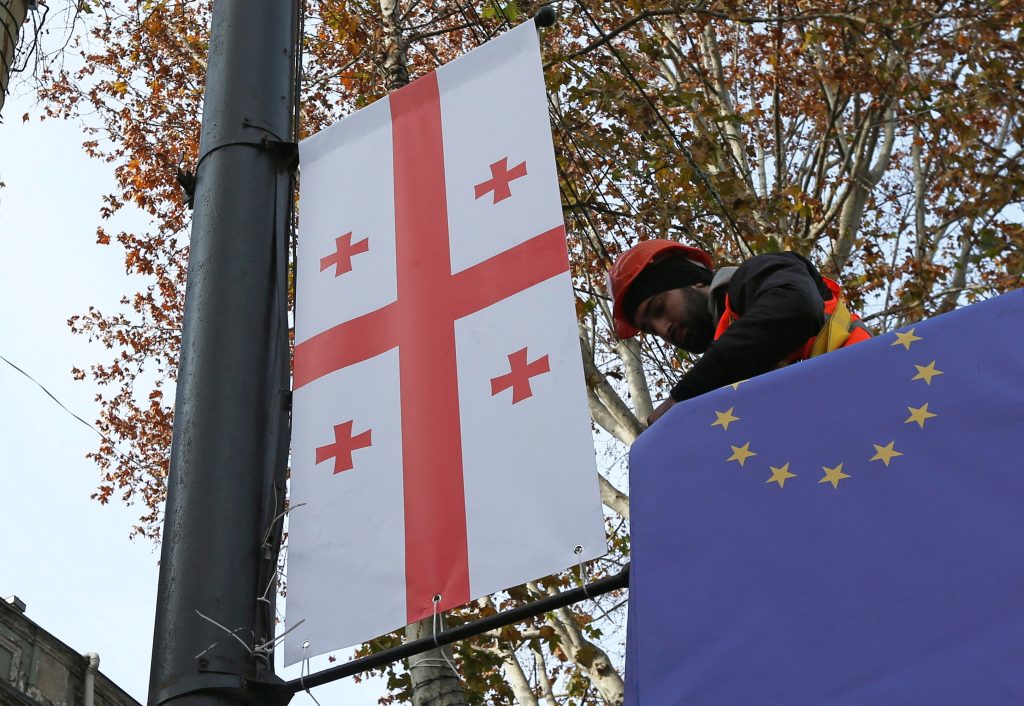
(841, 328)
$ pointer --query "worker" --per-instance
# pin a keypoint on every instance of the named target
(772, 310)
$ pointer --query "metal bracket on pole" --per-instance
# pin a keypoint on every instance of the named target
(215, 676)
(196, 684)
(285, 154)
(268, 693)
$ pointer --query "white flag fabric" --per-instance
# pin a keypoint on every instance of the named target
(441, 444)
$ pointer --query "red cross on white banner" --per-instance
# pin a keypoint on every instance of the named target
(436, 554)
(413, 342)
(501, 177)
(344, 444)
(518, 378)
(341, 258)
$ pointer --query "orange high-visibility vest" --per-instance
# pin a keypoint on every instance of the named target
(841, 328)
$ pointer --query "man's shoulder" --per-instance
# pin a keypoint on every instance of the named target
(782, 262)
(770, 260)
(773, 269)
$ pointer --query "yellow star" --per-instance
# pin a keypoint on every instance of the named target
(736, 385)
(919, 415)
(779, 475)
(885, 453)
(724, 419)
(833, 475)
(741, 453)
(905, 339)
(926, 372)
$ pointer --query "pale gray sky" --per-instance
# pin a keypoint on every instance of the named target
(66, 556)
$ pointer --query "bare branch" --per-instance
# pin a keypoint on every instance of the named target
(636, 380)
(613, 498)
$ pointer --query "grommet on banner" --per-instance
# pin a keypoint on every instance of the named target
(578, 551)
(585, 581)
(304, 669)
(436, 600)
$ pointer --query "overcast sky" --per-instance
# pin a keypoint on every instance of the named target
(65, 555)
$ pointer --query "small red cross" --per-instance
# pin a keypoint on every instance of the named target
(343, 446)
(501, 175)
(519, 377)
(342, 256)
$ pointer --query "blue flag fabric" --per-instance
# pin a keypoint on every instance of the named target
(847, 530)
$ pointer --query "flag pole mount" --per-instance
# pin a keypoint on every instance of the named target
(546, 17)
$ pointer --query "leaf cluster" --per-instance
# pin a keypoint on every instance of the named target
(882, 140)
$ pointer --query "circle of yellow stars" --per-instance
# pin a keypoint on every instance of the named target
(834, 475)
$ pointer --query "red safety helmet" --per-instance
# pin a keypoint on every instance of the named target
(631, 263)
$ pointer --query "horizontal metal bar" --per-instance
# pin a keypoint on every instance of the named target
(477, 627)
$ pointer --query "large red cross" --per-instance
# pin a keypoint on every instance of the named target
(344, 249)
(518, 377)
(421, 323)
(501, 176)
(343, 446)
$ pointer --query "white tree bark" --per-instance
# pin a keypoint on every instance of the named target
(611, 412)
(708, 43)
(863, 182)
(12, 16)
(584, 653)
(546, 687)
(434, 683)
(920, 207)
(963, 261)
(510, 667)
(395, 55)
(516, 678)
(636, 380)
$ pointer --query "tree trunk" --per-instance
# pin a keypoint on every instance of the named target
(543, 677)
(864, 179)
(584, 652)
(434, 682)
(12, 16)
(516, 678)
(395, 56)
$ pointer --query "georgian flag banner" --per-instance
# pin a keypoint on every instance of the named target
(441, 445)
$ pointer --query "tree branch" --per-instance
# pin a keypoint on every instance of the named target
(625, 426)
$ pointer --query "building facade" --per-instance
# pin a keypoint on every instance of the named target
(37, 669)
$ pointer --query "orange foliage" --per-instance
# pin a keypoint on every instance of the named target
(882, 139)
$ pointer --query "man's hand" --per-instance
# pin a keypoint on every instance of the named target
(660, 410)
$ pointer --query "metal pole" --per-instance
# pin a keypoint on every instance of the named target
(230, 423)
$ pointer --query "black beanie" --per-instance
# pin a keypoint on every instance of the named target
(671, 272)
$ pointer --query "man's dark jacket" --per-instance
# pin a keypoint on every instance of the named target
(779, 299)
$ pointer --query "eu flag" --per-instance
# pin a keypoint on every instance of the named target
(845, 531)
